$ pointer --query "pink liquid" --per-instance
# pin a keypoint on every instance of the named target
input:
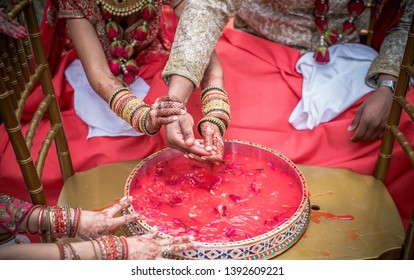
(242, 198)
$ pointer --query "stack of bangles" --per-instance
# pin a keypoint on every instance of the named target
(216, 108)
(131, 109)
(108, 247)
(62, 221)
(57, 221)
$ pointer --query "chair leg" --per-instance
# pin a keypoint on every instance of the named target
(408, 247)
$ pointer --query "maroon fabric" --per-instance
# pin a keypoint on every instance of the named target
(388, 14)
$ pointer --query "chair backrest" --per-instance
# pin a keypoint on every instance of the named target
(365, 34)
(392, 131)
(23, 64)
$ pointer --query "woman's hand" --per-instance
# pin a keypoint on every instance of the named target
(94, 224)
(165, 110)
(11, 27)
(180, 136)
(213, 143)
(146, 247)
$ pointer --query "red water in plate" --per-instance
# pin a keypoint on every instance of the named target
(240, 199)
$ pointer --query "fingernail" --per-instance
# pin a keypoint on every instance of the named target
(183, 112)
(175, 118)
(191, 238)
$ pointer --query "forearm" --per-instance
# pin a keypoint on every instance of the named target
(50, 251)
(195, 40)
(93, 58)
(392, 49)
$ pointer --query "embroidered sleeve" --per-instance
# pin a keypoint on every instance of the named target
(69, 9)
(200, 26)
(12, 212)
(392, 49)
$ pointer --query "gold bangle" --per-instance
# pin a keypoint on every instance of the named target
(216, 104)
(115, 94)
(207, 89)
(130, 107)
(94, 248)
(214, 120)
(144, 123)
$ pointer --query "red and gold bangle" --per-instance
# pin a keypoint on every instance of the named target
(144, 123)
(76, 221)
(136, 116)
(118, 99)
(40, 219)
(111, 247)
(62, 254)
(94, 248)
(74, 254)
(29, 214)
(214, 95)
(125, 253)
(59, 222)
(207, 89)
(120, 103)
(115, 94)
(130, 107)
(116, 103)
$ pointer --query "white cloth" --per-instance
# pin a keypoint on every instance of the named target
(329, 89)
(93, 110)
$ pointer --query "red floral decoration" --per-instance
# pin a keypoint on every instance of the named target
(121, 63)
(321, 54)
(329, 36)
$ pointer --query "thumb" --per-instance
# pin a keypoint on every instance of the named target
(188, 135)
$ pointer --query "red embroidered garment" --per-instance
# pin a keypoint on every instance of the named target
(12, 212)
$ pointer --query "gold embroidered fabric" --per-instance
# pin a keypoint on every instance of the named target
(199, 28)
(392, 49)
(288, 22)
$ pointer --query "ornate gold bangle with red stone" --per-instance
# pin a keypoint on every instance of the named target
(112, 247)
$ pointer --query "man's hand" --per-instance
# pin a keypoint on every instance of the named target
(372, 115)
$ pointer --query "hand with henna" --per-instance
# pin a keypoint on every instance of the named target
(165, 110)
(94, 224)
(146, 247)
(212, 141)
(11, 27)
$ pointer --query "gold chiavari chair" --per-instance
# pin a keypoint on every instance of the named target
(23, 65)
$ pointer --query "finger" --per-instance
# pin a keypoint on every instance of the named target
(178, 248)
(169, 111)
(166, 120)
(151, 234)
(360, 133)
(176, 240)
(207, 134)
(373, 134)
(121, 204)
(188, 135)
(122, 220)
(356, 120)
